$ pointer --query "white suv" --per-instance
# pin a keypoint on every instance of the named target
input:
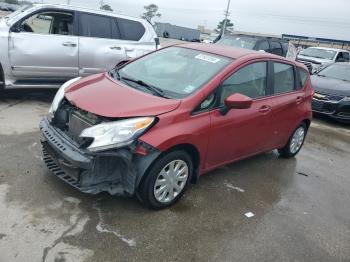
(46, 45)
(316, 58)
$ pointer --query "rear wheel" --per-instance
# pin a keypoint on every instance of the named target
(166, 181)
(2, 79)
(295, 142)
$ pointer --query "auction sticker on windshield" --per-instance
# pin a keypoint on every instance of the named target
(208, 58)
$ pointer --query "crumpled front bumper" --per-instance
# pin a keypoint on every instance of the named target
(118, 171)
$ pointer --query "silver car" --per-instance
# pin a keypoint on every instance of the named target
(46, 45)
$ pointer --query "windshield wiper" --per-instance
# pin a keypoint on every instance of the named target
(152, 88)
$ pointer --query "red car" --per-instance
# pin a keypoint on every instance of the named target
(153, 125)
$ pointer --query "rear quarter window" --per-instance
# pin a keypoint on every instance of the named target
(284, 79)
(303, 76)
(130, 30)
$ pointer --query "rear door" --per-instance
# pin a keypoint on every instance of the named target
(45, 46)
(241, 132)
(137, 38)
(100, 47)
(287, 100)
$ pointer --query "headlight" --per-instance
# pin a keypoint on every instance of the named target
(60, 95)
(116, 134)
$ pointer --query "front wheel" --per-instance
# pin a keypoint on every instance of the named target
(166, 181)
(295, 142)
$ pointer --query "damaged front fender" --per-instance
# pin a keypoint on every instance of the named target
(117, 172)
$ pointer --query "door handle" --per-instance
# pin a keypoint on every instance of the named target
(115, 47)
(69, 44)
(299, 100)
(265, 109)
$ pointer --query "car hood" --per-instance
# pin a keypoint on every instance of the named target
(330, 86)
(101, 95)
(314, 60)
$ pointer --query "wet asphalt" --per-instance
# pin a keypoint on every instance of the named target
(300, 207)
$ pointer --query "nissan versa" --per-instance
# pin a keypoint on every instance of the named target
(155, 124)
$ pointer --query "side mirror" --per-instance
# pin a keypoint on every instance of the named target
(121, 63)
(236, 101)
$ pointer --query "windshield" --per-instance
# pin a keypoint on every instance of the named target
(242, 42)
(337, 71)
(319, 53)
(178, 72)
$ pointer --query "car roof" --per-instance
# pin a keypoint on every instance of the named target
(328, 48)
(88, 10)
(228, 51)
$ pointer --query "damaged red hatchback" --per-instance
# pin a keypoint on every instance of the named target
(155, 124)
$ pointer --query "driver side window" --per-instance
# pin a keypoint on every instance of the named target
(250, 80)
(58, 23)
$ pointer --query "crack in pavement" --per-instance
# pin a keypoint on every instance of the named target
(58, 240)
(13, 104)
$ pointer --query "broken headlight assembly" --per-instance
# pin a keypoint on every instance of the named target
(59, 96)
(116, 134)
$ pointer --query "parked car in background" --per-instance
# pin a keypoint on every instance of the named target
(315, 58)
(267, 44)
(155, 124)
(46, 45)
(332, 92)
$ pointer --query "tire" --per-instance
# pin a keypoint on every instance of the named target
(2, 80)
(295, 142)
(151, 194)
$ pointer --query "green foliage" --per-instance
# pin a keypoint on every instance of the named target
(106, 7)
(151, 11)
(229, 26)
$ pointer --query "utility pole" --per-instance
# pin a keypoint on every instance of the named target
(101, 3)
(68, 2)
(227, 13)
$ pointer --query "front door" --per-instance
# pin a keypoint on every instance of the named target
(241, 132)
(44, 46)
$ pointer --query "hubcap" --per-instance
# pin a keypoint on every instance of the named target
(297, 140)
(170, 181)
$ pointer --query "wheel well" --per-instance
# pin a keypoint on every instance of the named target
(194, 154)
(307, 122)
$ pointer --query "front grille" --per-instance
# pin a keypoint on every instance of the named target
(344, 114)
(327, 97)
(57, 170)
(307, 64)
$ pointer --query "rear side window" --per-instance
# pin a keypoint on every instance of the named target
(303, 75)
(130, 30)
(263, 45)
(283, 78)
(95, 26)
(250, 81)
(276, 48)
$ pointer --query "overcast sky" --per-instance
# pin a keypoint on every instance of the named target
(316, 18)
